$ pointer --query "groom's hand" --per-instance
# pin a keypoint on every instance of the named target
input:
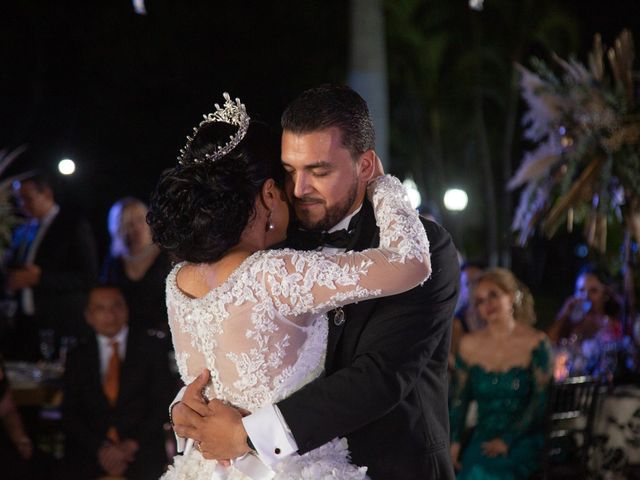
(222, 432)
(219, 434)
(193, 401)
(186, 413)
(216, 427)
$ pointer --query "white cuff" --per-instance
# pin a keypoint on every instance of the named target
(180, 442)
(253, 468)
(270, 435)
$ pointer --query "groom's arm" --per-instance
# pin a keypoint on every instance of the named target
(395, 348)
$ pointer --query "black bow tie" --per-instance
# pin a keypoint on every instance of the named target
(312, 239)
(309, 240)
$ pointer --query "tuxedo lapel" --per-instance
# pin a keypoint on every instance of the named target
(366, 236)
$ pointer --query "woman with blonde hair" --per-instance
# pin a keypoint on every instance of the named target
(506, 368)
(136, 264)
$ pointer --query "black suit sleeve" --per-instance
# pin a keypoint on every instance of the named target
(74, 408)
(81, 267)
(398, 343)
(157, 391)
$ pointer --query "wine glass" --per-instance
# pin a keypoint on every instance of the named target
(47, 344)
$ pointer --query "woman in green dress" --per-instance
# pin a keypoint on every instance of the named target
(506, 368)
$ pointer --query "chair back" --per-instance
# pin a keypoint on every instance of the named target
(569, 423)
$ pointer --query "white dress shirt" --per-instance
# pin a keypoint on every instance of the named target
(105, 351)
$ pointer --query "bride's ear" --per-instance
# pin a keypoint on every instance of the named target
(268, 194)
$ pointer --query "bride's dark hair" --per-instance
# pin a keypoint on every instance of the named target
(198, 210)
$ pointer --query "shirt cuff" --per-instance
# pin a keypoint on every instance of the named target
(270, 435)
(180, 442)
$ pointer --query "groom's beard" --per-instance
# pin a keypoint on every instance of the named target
(332, 215)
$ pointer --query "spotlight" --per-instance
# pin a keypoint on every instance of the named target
(455, 199)
(412, 190)
(66, 166)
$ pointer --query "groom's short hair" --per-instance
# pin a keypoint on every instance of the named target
(329, 106)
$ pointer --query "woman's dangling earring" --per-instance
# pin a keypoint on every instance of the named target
(270, 225)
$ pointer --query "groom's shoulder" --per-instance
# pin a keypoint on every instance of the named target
(440, 240)
(443, 283)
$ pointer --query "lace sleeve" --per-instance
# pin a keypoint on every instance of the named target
(460, 398)
(311, 282)
(189, 359)
(533, 415)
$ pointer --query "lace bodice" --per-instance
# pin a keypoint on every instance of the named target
(262, 333)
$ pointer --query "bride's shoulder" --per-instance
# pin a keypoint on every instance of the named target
(173, 273)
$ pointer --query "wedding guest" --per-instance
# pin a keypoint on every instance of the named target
(465, 320)
(51, 261)
(116, 386)
(136, 264)
(591, 312)
(506, 368)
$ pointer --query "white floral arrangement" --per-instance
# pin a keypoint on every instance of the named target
(585, 125)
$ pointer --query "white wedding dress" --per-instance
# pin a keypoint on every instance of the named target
(263, 332)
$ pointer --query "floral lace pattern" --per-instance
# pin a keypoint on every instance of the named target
(263, 332)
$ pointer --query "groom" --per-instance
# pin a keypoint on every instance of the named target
(385, 383)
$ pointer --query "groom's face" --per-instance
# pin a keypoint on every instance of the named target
(324, 182)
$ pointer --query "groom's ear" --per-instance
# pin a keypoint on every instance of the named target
(366, 164)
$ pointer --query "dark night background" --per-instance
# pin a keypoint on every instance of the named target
(118, 92)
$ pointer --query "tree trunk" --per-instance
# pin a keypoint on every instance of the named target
(368, 66)
(507, 149)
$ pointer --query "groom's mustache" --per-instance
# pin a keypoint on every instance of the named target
(307, 200)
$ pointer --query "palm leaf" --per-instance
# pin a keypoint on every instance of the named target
(533, 167)
(7, 158)
(579, 192)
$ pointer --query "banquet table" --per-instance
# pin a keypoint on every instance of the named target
(35, 384)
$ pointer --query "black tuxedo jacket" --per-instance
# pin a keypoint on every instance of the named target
(68, 259)
(139, 413)
(385, 387)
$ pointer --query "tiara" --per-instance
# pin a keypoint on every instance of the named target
(233, 113)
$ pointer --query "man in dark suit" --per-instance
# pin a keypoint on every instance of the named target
(385, 388)
(52, 261)
(116, 384)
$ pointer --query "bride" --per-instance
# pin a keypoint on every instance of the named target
(256, 318)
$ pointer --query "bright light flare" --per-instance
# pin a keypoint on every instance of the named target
(412, 190)
(67, 166)
(455, 199)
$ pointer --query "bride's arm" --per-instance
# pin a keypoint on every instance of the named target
(301, 282)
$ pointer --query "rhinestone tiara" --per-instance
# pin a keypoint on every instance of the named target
(233, 113)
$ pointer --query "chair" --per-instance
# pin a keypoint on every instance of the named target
(569, 427)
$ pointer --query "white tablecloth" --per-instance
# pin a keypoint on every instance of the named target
(617, 432)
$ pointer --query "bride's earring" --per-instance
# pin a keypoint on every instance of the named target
(270, 226)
